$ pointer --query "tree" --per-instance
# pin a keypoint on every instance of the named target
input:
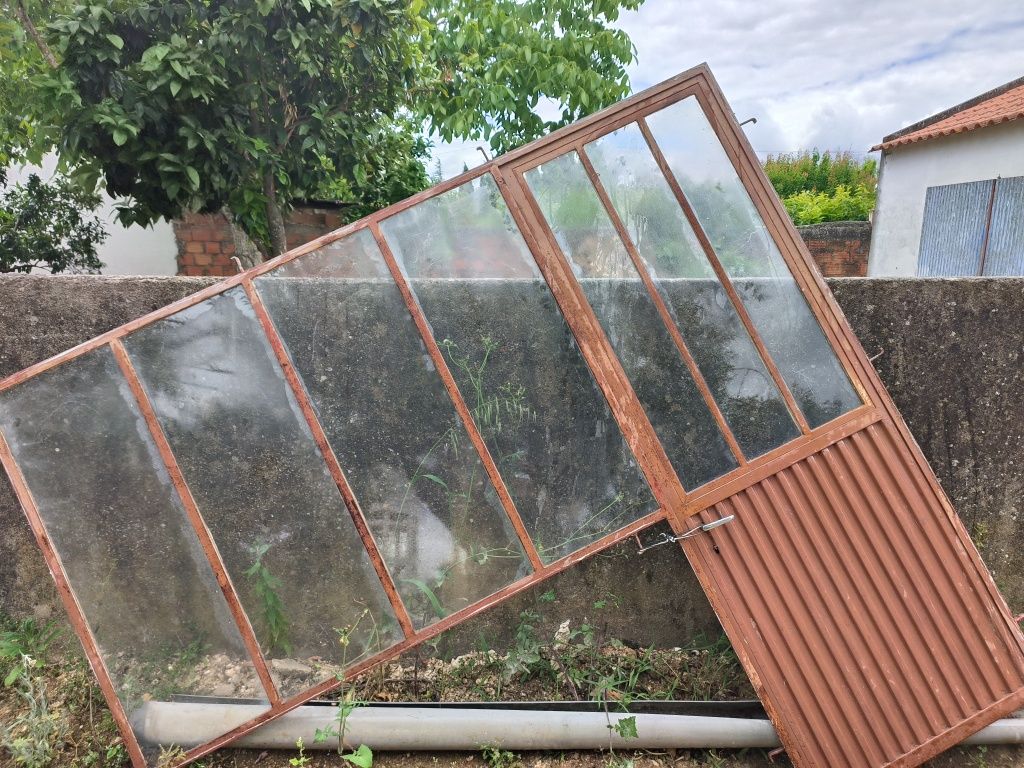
(250, 105)
(48, 226)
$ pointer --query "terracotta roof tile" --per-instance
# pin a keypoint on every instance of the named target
(1001, 108)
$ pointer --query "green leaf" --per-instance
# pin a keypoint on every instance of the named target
(193, 176)
(431, 597)
(362, 757)
(175, 87)
(13, 675)
(116, 41)
(436, 479)
(120, 137)
(626, 727)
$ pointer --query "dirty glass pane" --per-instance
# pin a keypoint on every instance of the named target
(428, 500)
(674, 405)
(1005, 255)
(700, 307)
(753, 262)
(247, 454)
(546, 423)
(148, 593)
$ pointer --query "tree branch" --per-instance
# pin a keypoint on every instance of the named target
(26, 22)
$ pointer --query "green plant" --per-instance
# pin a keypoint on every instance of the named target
(818, 186)
(496, 757)
(36, 734)
(362, 756)
(301, 761)
(842, 205)
(25, 641)
(169, 756)
(816, 171)
(265, 586)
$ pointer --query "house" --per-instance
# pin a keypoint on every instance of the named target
(951, 191)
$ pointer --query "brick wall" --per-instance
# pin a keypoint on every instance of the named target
(206, 243)
(840, 248)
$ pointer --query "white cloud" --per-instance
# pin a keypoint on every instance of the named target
(839, 74)
(832, 74)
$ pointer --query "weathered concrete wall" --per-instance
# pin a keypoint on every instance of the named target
(951, 356)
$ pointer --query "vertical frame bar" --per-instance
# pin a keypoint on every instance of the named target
(71, 604)
(195, 517)
(659, 303)
(465, 415)
(298, 390)
(988, 228)
(597, 351)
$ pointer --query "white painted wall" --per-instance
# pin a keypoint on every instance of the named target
(131, 250)
(906, 174)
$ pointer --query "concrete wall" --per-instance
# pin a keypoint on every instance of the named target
(908, 171)
(951, 356)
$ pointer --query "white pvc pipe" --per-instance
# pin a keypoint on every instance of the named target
(437, 729)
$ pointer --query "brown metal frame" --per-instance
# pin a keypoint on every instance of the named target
(676, 505)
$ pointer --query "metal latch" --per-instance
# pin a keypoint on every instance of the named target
(667, 538)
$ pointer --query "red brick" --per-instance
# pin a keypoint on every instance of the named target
(203, 259)
(193, 247)
(213, 247)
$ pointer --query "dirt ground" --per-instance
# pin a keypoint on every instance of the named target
(565, 666)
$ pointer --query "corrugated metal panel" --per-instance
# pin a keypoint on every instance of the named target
(1005, 255)
(954, 229)
(867, 623)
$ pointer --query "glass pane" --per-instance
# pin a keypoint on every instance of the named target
(545, 421)
(663, 383)
(282, 528)
(742, 243)
(428, 500)
(148, 593)
(700, 307)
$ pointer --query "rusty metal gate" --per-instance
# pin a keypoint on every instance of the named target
(757, 429)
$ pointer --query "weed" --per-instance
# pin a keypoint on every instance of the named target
(978, 759)
(714, 759)
(37, 734)
(496, 757)
(362, 756)
(25, 639)
(265, 586)
(301, 761)
(169, 757)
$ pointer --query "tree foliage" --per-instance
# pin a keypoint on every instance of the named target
(493, 63)
(250, 105)
(48, 226)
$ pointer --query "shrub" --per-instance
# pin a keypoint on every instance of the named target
(842, 205)
(824, 186)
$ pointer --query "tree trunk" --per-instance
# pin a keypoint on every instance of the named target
(30, 28)
(275, 221)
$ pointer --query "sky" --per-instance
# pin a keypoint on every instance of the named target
(832, 75)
